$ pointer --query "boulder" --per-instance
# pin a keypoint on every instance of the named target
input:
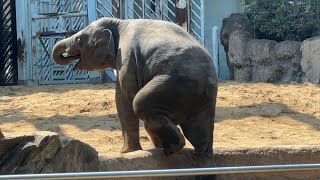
(310, 61)
(235, 32)
(258, 60)
(288, 58)
(235, 23)
(45, 152)
(274, 62)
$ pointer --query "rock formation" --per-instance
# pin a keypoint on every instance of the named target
(45, 152)
(310, 62)
(262, 60)
(234, 35)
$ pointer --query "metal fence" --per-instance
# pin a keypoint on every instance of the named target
(8, 45)
(168, 172)
(108, 8)
(53, 20)
(186, 13)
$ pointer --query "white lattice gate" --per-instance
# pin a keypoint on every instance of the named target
(53, 20)
(109, 8)
(187, 13)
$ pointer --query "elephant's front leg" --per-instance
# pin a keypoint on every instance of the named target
(129, 122)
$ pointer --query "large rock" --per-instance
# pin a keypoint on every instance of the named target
(234, 35)
(274, 62)
(310, 62)
(258, 60)
(235, 23)
(45, 152)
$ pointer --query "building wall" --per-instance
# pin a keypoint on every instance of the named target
(214, 12)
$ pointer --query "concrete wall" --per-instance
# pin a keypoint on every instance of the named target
(281, 155)
(214, 12)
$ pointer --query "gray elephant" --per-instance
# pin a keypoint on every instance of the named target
(164, 78)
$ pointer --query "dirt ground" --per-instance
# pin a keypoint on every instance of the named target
(247, 114)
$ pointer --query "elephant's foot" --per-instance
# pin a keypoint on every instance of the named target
(173, 148)
(165, 135)
(173, 143)
(127, 148)
(156, 142)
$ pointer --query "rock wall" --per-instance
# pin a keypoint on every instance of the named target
(310, 62)
(262, 60)
(45, 152)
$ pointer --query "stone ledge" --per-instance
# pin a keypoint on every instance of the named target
(155, 159)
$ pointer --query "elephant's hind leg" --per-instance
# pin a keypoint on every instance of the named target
(153, 104)
(164, 133)
(199, 131)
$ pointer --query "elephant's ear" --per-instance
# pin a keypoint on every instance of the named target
(105, 48)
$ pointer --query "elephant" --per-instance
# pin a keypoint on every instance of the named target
(165, 78)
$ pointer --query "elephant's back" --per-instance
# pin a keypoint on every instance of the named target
(166, 48)
(191, 62)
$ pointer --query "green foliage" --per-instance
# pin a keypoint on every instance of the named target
(284, 19)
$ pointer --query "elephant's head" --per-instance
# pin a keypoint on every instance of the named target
(93, 46)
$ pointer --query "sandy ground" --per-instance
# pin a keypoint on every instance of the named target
(247, 115)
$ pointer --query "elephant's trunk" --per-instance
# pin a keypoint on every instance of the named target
(60, 49)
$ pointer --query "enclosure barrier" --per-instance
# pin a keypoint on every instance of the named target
(168, 172)
(215, 50)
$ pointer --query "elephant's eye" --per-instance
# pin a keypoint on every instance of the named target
(78, 40)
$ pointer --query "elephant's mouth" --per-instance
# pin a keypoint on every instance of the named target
(78, 65)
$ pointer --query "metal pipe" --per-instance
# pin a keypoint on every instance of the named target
(143, 9)
(202, 10)
(215, 49)
(121, 3)
(57, 15)
(189, 16)
(161, 9)
(92, 11)
(168, 172)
